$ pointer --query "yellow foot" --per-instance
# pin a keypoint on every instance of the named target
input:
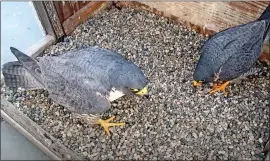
(221, 87)
(195, 83)
(106, 124)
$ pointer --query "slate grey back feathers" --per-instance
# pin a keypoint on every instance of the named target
(232, 52)
(80, 80)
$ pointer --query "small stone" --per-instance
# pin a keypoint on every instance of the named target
(69, 134)
(194, 135)
(221, 152)
(85, 154)
(260, 140)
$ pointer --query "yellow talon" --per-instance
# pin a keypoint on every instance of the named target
(106, 124)
(221, 87)
(195, 83)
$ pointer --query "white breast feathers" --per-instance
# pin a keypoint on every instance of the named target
(115, 94)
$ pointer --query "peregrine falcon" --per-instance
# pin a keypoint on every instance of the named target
(84, 81)
(231, 53)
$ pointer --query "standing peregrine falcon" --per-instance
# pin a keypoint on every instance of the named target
(232, 52)
(85, 81)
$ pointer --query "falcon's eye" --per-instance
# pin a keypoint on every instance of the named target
(134, 90)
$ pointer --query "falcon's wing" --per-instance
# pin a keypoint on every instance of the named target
(91, 51)
(78, 98)
(229, 43)
(70, 85)
(241, 62)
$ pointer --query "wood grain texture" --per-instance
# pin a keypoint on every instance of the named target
(82, 15)
(207, 18)
(66, 9)
(38, 134)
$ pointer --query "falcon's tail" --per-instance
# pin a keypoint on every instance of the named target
(266, 14)
(24, 73)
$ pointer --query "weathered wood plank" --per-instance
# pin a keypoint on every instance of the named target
(83, 14)
(207, 18)
(36, 133)
(66, 9)
(214, 16)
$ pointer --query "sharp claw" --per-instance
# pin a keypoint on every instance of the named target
(107, 131)
(221, 87)
(115, 124)
(110, 119)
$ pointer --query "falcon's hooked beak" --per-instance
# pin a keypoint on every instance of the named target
(195, 83)
(143, 91)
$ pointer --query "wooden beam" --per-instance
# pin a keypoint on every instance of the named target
(65, 9)
(82, 15)
(50, 145)
(207, 18)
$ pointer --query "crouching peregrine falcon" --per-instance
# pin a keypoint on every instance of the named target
(84, 81)
(232, 53)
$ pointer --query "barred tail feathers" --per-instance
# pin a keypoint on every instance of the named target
(15, 75)
(28, 63)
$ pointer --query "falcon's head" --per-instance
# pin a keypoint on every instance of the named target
(137, 84)
(201, 75)
(133, 80)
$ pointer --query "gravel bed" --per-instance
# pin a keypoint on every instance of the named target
(178, 121)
